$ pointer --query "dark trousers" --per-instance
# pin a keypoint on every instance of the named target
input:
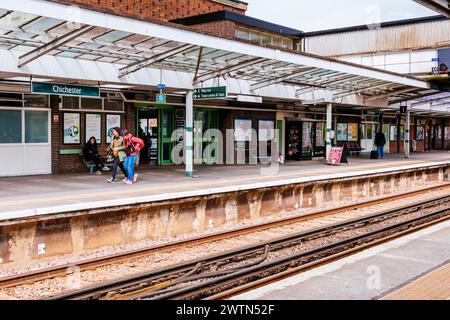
(118, 164)
(97, 160)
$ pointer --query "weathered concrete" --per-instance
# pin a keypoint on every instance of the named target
(79, 231)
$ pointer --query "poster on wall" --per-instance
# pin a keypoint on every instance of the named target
(94, 127)
(393, 133)
(266, 130)
(419, 135)
(71, 128)
(447, 133)
(112, 121)
(242, 130)
(352, 132)
(342, 132)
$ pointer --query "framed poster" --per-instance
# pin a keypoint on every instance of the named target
(266, 130)
(112, 121)
(71, 128)
(352, 132)
(342, 132)
(393, 133)
(242, 130)
(93, 126)
(419, 133)
(447, 133)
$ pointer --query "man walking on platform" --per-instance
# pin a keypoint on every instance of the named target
(380, 141)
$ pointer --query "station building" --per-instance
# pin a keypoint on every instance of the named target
(115, 55)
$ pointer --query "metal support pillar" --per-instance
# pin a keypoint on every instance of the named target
(329, 126)
(189, 139)
(407, 134)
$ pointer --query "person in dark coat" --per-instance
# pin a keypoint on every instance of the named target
(380, 142)
(91, 154)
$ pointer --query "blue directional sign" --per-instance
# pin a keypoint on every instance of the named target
(435, 59)
(161, 98)
(161, 86)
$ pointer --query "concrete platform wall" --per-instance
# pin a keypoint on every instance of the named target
(78, 232)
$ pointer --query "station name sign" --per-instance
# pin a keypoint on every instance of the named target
(63, 89)
(210, 93)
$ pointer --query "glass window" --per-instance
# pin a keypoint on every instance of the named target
(71, 103)
(370, 132)
(36, 101)
(277, 41)
(114, 105)
(266, 39)
(36, 127)
(255, 37)
(242, 34)
(287, 43)
(10, 126)
(91, 104)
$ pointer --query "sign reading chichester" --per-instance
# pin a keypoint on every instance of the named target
(65, 90)
(210, 93)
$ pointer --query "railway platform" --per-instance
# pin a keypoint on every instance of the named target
(413, 267)
(25, 197)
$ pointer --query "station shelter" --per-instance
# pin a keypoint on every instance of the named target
(63, 81)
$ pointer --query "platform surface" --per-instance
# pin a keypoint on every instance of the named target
(380, 272)
(22, 197)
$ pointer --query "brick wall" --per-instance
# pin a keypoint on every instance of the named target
(160, 10)
(68, 163)
(220, 28)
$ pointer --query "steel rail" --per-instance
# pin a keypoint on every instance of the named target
(171, 273)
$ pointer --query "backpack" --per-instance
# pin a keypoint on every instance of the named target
(136, 144)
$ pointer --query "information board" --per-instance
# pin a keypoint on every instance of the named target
(335, 155)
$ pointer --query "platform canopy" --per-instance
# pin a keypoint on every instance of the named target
(440, 6)
(60, 42)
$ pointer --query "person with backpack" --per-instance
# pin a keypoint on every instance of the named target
(117, 149)
(132, 147)
(380, 142)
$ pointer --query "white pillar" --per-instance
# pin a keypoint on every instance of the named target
(329, 121)
(189, 130)
(407, 135)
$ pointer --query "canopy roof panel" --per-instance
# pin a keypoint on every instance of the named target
(34, 28)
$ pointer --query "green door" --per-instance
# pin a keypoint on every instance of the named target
(204, 120)
(165, 129)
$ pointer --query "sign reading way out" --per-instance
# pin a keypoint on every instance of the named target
(65, 90)
(210, 93)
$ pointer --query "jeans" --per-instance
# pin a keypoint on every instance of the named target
(129, 166)
(118, 164)
(380, 151)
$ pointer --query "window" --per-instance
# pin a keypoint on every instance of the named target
(91, 104)
(10, 126)
(36, 127)
(36, 101)
(71, 103)
(353, 132)
(242, 34)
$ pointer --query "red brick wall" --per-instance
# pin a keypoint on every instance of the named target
(161, 10)
(62, 163)
(220, 28)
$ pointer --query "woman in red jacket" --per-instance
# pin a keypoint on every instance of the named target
(132, 147)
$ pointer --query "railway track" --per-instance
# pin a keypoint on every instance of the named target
(167, 275)
(208, 277)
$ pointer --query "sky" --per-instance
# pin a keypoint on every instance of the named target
(314, 15)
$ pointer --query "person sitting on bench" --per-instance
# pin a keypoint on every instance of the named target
(91, 154)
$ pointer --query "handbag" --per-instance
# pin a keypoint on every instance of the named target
(110, 156)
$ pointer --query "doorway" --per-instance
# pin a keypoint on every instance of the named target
(148, 132)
